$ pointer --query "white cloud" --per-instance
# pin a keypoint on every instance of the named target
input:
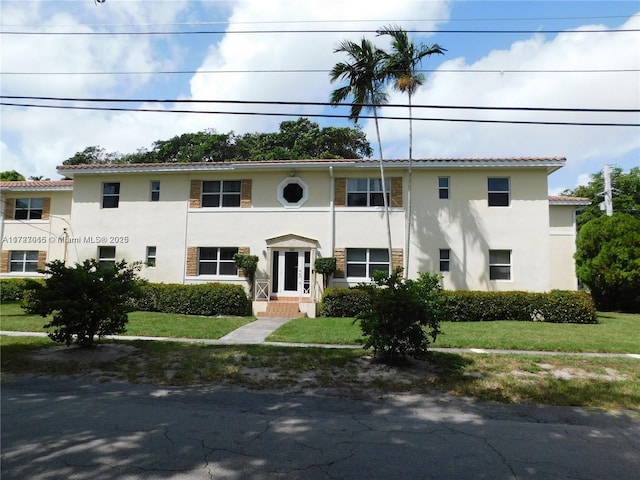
(290, 51)
(567, 51)
(35, 140)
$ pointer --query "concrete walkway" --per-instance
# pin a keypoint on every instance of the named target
(254, 332)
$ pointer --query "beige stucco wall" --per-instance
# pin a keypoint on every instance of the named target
(563, 247)
(470, 228)
(540, 242)
(136, 223)
(40, 235)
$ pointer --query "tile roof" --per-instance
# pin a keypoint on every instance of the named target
(37, 185)
(551, 163)
(565, 200)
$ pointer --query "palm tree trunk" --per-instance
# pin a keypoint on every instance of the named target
(409, 218)
(384, 188)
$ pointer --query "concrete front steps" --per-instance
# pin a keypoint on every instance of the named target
(282, 309)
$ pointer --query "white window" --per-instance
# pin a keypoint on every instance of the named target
(367, 192)
(110, 194)
(500, 264)
(445, 260)
(293, 192)
(363, 262)
(217, 261)
(151, 256)
(28, 209)
(24, 261)
(155, 190)
(498, 191)
(443, 188)
(221, 193)
(106, 255)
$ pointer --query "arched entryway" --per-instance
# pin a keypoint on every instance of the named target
(291, 258)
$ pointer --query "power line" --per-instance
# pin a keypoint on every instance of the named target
(251, 32)
(321, 104)
(311, 115)
(446, 70)
(284, 22)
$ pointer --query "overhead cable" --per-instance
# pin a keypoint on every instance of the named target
(311, 115)
(320, 104)
(251, 32)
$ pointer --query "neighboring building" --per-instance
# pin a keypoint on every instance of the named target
(484, 224)
(35, 223)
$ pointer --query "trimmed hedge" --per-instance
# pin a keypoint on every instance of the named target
(557, 306)
(12, 289)
(208, 299)
(343, 302)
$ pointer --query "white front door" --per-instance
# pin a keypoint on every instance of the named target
(291, 272)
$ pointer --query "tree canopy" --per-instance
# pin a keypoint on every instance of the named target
(626, 194)
(11, 176)
(297, 139)
(608, 261)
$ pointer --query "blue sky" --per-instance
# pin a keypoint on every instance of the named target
(567, 66)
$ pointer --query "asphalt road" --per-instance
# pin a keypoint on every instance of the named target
(56, 428)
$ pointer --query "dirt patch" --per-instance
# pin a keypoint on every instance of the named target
(567, 373)
(101, 353)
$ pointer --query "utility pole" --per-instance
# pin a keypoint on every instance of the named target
(608, 198)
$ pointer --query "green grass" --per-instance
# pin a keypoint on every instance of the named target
(336, 331)
(616, 333)
(148, 324)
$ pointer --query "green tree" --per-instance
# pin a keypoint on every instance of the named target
(401, 66)
(364, 79)
(248, 263)
(326, 266)
(11, 176)
(206, 146)
(302, 139)
(296, 139)
(608, 261)
(404, 315)
(626, 194)
(93, 155)
(86, 300)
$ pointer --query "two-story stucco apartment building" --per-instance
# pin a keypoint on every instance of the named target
(484, 224)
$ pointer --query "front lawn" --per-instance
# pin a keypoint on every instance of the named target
(616, 333)
(147, 324)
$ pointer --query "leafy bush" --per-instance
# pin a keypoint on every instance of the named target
(12, 289)
(608, 261)
(209, 299)
(86, 300)
(248, 263)
(403, 315)
(557, 306)
(326, 266)
(344, 302)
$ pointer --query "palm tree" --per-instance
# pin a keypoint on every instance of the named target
(401, 66)
(365, 79)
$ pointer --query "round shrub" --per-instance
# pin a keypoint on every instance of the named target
(344, 302)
